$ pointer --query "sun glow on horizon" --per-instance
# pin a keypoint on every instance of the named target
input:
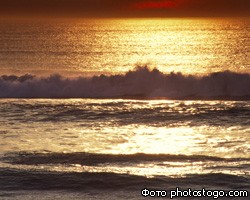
(163, 4)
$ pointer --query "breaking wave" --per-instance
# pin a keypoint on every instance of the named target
(140, 83)
(45, 179)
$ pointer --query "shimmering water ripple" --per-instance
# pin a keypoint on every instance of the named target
(87, 47)
(62, 135)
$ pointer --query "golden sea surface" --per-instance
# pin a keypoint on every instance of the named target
(114, 46)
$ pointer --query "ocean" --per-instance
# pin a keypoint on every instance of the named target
(125, 109)
(115, 46)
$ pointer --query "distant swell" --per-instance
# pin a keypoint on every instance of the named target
(89, 159)
(141, 83)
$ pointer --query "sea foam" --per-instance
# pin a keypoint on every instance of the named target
(140, 83)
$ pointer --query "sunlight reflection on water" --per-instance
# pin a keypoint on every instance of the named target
(170, 128)
(88, 47)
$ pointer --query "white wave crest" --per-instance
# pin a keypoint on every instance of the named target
(140, 83)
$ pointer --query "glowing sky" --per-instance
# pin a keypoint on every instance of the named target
(126, 8)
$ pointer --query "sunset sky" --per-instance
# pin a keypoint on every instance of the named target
(125, 8)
